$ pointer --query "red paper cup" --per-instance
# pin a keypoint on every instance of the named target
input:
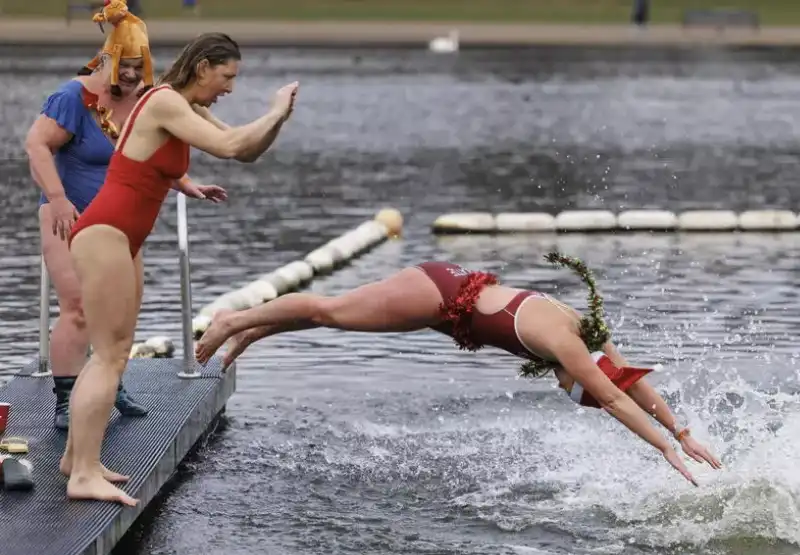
(5, 410)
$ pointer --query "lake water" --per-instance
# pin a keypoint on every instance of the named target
(390, 444)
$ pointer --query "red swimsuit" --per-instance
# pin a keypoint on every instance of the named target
(460, 289)
(471, 330)
(133, 192)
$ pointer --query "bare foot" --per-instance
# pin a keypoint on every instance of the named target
(108, 475)
(236, 346)
(95, 487)
(113, 477)
(214, 336)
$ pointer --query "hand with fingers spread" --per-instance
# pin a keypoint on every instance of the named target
(213, 193)
(675, 460)
(695, 450)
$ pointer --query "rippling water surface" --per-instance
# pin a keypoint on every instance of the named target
(349, 443)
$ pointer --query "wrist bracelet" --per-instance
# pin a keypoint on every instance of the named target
(682, 434)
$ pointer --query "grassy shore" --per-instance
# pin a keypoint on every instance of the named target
(772, 12)
(326, 34)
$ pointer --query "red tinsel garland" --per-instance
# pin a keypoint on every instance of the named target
(458, 309)
(92, 102)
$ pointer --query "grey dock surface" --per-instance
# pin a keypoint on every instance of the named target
(149, 449)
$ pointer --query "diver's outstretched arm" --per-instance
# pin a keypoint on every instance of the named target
(644, 395)
(653, 403)
(576, 360)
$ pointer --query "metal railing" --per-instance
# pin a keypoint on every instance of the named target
(189, 369)
(189, 366)
(44, 323)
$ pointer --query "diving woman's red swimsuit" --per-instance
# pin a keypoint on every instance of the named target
(133, 192)
(471, 329)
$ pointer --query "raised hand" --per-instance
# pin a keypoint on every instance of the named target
(283, 101)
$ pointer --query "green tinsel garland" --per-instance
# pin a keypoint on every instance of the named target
(593, 329)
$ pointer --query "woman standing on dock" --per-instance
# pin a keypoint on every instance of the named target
(69, 147)
(152, 151)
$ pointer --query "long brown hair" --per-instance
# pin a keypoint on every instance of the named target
(216, 48)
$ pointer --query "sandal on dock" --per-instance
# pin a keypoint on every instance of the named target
(14, 445)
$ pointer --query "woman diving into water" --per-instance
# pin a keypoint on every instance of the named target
(473, 309)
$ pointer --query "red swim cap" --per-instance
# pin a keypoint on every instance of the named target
(623, 378)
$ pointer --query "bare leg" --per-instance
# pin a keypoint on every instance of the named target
(65, 465)
(138, 265)
(108, 285)
(242, 340)
(69, 340)
(406, 301)
(67, 459)
(124, 402)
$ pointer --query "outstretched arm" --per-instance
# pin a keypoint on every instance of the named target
(578, 363)
(644, 395)
(251, 154)
(175, 116)
(653, 403)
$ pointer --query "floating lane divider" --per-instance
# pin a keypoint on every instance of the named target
(388, 223)
(577, 221)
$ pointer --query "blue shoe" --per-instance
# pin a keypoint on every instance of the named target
(127, 405)
(124, 403)
(62, 389)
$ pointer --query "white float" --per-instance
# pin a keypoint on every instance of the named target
(290, 276)
(768, 220)
(367, 234)
(338, 253)
(357, 241)
(708, 220)
(255, 293)
(525, 221)
(628, 220)
(481, 222)
(321, 260)
(280, 282)
(200, 324)
(585, 220)
(303, 269)
(372, 231)
(647, 220)
(344, 248)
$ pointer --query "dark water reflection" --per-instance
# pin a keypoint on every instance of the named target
(399, 444)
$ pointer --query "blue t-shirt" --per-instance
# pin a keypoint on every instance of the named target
(83, 161)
